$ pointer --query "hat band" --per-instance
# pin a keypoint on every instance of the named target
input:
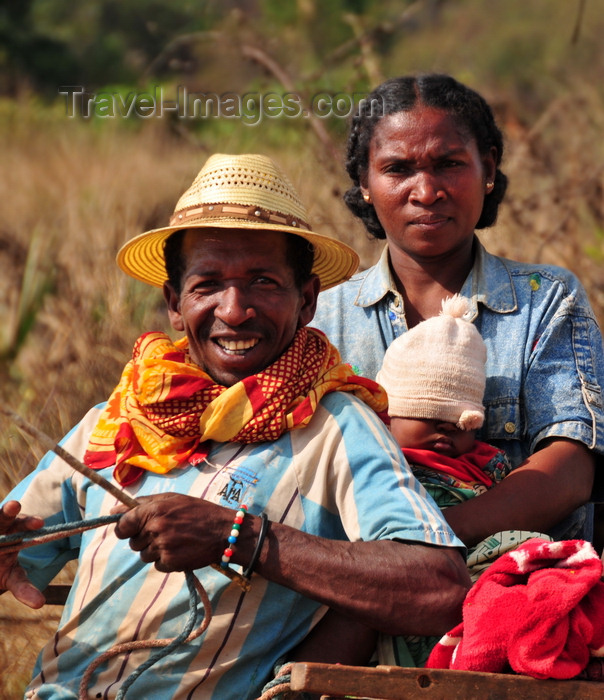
(233, 211)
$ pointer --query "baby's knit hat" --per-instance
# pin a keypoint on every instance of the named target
(436, 370)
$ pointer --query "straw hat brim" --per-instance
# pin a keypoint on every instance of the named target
(142, 257)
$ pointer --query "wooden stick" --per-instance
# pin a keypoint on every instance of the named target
(49, 444)
(74, 463)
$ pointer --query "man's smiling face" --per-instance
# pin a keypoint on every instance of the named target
(239, 304)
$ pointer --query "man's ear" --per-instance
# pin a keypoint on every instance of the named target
(310, 294)
(173, 304)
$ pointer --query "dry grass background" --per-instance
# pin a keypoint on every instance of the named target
(74, 192)
(26, 629)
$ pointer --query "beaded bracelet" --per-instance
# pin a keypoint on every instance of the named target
(232, 538)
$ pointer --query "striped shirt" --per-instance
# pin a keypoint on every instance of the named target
(342, 477)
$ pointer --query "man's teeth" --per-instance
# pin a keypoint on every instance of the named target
(237, 346)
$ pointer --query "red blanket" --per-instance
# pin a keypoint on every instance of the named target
(538, 611)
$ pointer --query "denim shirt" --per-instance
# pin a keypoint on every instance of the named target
(545, 366)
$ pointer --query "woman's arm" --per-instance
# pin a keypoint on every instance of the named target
(542, 491)
(337, 639)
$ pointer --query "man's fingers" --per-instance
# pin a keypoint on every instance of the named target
(149, 555)
(129, 525)
(31, 522)
(9, 512)
(135, 520)
(140, 542)
(23, 590)
(13, 576)
(11, 520)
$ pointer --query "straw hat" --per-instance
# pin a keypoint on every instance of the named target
(436, 370)
(238, 192)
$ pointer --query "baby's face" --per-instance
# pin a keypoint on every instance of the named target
(438, 436)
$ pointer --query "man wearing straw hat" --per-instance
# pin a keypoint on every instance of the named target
(253, 452)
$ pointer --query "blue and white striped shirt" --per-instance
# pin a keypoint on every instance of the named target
(342, 477)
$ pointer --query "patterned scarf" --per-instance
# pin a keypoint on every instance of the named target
(166, 407)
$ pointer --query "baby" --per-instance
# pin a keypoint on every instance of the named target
(435, 379)
(434, 375)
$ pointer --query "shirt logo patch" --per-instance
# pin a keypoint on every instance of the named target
(237, 486)
(535, 281)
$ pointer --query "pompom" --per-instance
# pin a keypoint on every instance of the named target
(455, 306)
(470, 420)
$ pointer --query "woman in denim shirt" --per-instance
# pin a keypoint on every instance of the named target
(424, 155)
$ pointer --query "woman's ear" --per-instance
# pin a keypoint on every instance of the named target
(364, 187)
(173, 304)
(490, 164)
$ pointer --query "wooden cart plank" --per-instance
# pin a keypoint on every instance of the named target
(395, 683)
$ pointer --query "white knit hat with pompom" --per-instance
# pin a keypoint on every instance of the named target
(436, 370)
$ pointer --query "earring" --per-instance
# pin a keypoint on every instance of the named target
(490, 186)
(367, 197)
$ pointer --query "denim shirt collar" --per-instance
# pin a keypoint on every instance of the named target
(377, 282)
(489, 283)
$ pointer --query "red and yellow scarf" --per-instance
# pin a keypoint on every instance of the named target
(165, 407)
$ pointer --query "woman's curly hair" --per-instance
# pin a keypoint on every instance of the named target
(443, 92)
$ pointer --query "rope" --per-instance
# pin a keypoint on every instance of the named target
(196, 591)
(16, 541)
(281, 683)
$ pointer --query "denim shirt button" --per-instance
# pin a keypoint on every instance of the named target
(593, 397)
(509, 427)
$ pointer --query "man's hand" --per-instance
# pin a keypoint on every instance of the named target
(176, 532)
(12, 576)
(393, 587)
